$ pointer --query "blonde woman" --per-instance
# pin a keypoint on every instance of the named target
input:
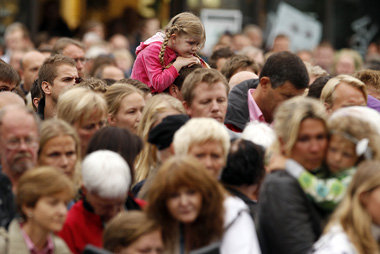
(59, 146)
(125, 105)
(157, 108)
(85, 110)
(354, 228)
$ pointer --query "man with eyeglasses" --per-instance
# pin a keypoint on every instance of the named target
(19, 141)
(73, 49)
(57, 74)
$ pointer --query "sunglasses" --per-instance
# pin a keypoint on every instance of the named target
(78, 80)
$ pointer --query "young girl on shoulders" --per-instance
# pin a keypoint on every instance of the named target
(161, 57)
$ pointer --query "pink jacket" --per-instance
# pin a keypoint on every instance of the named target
(147, 67)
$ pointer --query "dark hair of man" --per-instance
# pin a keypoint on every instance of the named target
(237, 62)
(182, 75)
(315, 89)
(285, 66)
(220, 53)
(118, 140)
(245, 164)
(35, 91)
(8, 74)
(48, 70)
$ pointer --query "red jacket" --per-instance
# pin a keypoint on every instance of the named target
(81, 227)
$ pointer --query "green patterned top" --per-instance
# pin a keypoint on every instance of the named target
(326, 192)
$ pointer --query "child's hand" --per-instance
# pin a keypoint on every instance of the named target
(185, 61)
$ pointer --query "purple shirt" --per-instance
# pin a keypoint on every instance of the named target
(254, 110)
(49, 248)
(373, 103)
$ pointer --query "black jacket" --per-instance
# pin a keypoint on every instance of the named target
(237, 109)
(7, 204)
(287, 221)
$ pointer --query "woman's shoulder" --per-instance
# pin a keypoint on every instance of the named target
(234, 208)
(334, 241)
(60, 246)
(4, 238)
(11, 241)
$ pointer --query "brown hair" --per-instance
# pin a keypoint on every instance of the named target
(209, 76)
(48, 70)
(224, 52)
(40, 182)
(183, 23)
(126, 228)
(8, 74)
(186, 171)
(238, 63)
(370, 78)
(95, 84)
(136, 83)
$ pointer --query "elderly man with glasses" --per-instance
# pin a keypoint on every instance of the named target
(19, 139)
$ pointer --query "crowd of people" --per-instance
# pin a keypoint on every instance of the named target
(249, 150)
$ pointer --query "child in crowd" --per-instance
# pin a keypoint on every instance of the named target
(161, 57)
(352, 140)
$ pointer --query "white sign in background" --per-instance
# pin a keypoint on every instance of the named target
(217, 22)
(303, 31)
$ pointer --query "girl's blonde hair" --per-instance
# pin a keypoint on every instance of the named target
(354, 129)
(116, 93)
(184, 23)
(352, 215)
(80, 104)
(157, 105)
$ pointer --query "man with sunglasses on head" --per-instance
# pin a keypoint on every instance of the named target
(57, 74)
(73, 49)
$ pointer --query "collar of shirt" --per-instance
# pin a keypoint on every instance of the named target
(254, 110)
(48, 249)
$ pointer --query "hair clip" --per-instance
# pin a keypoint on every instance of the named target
(362, 148)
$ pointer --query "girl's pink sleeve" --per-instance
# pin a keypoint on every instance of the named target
(159, 78)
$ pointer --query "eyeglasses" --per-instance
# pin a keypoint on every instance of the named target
(15, 143)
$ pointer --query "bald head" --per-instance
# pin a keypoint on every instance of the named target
(112, 72)
(31, 63)
(240, 77)
(9, 98)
